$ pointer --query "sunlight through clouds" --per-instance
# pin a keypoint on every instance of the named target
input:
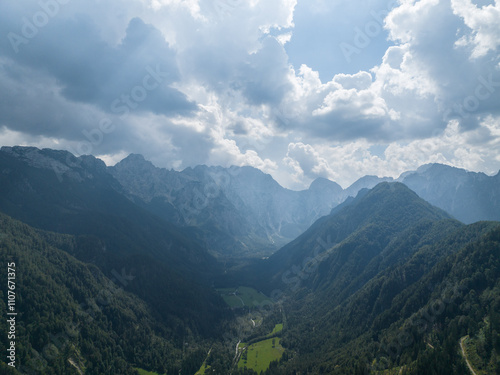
(226, 90)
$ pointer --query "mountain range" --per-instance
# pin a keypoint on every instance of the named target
(111, 231)
(118, 269)
(254, 209)
(467, 196)
(390, 283)
(386, 284)
(237, 210)
(241, 211)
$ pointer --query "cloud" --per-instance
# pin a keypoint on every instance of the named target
(359, 81)
(407, 22)
(265, 76)
(422, 83)
(306, 162)
(324, 30)
(31, 103)
(192, 6)
(137, 73)
(345, 162)
(261, 83)
(430, 30)
(475, 150)
(484, 23)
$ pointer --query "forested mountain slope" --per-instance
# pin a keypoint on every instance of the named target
(172, 272)
(72, 319)
(395, 287)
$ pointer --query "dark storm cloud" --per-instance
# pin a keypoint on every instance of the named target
(134, 75)
(30, 103)
(268, 82)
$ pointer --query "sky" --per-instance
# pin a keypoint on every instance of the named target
(297, 88)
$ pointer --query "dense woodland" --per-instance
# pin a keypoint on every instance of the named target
(384, 284)
(393, 294)
(69, 310)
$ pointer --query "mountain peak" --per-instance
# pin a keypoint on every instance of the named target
(391, 188)
(322, 183)
(134, 161)
(384, 189)
(365, 182)
(393, 200)
(18, 150)
(437, 167)
(376, 216)
(134, 158)
(60, 161)
(34, 155)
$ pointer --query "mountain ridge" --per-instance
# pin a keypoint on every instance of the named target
(349, 291)
(241, 211)
(87, 202)
(261, 211)
(355, 276)
(366, 215)
(73, 319)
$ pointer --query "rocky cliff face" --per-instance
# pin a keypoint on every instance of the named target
(62, 163)
(248, 206)
(234, 207)
(283, 213)
(241, 211)
(468, 196)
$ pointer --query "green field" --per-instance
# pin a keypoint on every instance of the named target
(261, 354)
(144, 372)
(244, 297)
(277, 329)
(202, 370)
(230, 296)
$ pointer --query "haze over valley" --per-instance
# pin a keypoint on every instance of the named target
(208, 259)
(239, 187)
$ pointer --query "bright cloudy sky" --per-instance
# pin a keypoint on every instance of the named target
(298, 88)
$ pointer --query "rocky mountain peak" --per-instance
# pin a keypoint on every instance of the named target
(63, 163)
(134, 162)
(322, 184)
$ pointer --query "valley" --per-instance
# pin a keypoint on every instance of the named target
(242, 297)
(249, 187)
(125, 275)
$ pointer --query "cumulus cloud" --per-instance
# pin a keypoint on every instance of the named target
(484, 23)
(421, 84)
(306, 162)
(346, 162)
(429, 31)
(239, 82)
(88, 70)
